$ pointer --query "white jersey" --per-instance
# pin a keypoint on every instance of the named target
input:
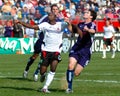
(108, 31)
(52, 36)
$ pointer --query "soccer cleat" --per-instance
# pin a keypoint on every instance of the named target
(113, 56)
(42, 78)
(45, 90)
(69, 91)
(25, 74)
(35, 76)
(104, 57)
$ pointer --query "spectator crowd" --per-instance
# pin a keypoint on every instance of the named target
(32, 10)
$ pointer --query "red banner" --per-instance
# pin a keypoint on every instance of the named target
(101, 23)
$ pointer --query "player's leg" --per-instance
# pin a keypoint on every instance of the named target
(105, 44)
(31, 60)
(70, 73)
(38, 68)
(104, 51)
(37, 50)
(44, 64)
(113, 51)
(37, 71)
(51, 74)
(55, 59)
(29, 63)
(43, 70)
(35, 75)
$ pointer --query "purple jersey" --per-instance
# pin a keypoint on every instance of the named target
(81, 50)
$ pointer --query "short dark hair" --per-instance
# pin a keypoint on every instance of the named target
(54, 5)
(93, 14)
(51, 13)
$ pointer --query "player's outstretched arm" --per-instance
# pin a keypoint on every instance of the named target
(28, 25)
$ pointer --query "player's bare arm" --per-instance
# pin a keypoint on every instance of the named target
(28, 25)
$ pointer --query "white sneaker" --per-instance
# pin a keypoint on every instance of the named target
(69, 90)
(104, 57)
(45, 90)
(113, 56)
(35, 76)
(25, 74)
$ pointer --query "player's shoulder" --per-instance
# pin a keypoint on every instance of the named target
(43, 19)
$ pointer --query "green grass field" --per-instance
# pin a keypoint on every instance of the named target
(100, 78)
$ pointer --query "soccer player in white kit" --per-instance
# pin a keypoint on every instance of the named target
(109, 36)
(51, 47)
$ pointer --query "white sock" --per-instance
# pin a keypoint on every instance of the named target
(49, 79)
(104, 52)
(113, 51)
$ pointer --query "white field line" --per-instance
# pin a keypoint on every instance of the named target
(97, 81)
(77, 80)
(105, 74)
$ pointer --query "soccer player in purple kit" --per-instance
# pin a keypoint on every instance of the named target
(80, 53)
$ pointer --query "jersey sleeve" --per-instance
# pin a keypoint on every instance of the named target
(43, 19)
(93, 26)
(42, 26)
(112, 29)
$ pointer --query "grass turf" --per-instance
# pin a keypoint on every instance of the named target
(101, 77)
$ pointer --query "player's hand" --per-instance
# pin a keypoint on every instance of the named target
(86, 28)
(67, 20)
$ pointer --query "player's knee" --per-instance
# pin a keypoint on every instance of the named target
(53, 69)
(35, 56)
(70, 67)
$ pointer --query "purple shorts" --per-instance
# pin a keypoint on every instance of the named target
(82, 56)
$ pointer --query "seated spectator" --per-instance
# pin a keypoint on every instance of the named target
(14, 11)
(1, 31)
(25, 13)
(8, 29)
(18, 5)
(118, 13)
(72, 9)
(6, 8)
(79, 14)
(17, 30)
(19, 14)
(37, 15)
(31, 13)
(109, 14)
(41, 8)
(47, 8)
